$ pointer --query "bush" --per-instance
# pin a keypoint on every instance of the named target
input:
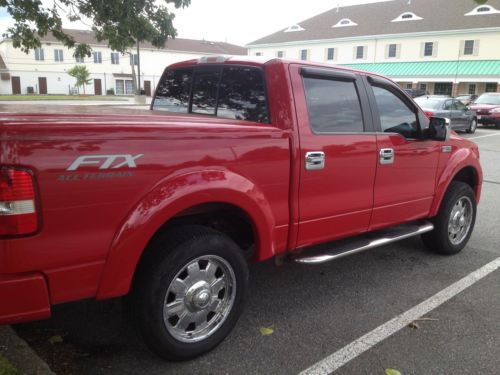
(110, 92)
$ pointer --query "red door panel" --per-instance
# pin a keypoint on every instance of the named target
(405, 184)
(404, 190)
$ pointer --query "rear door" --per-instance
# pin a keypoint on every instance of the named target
(407, 164)
(337, 154)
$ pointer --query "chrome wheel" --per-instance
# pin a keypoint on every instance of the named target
(460, 220)
(473, 126)
(199, 298)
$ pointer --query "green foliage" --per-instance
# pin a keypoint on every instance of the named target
(82, 75)
(6, 367)
(120, 22)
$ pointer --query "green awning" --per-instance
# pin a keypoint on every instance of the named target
(462, 68)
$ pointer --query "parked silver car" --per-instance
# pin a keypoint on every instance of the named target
(461, 117)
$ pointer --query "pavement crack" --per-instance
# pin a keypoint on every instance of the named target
(492, 182)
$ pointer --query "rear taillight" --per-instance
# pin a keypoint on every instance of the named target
(429, 114)
(18, 214)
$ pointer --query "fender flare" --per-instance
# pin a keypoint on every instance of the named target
(170, 196)
(461, 159)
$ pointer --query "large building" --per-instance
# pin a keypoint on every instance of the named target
(446, 47)
(44, 70)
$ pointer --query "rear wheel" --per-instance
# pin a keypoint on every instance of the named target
(191, 292)
(472, 126)
(455, 220)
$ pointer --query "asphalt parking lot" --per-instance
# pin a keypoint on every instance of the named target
(316, 311)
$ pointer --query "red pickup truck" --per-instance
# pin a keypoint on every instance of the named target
(238, 160)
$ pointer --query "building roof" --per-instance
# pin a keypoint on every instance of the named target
(376, 19)
(177, 44)
(462, 68)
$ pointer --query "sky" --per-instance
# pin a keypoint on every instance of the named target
(233, 21)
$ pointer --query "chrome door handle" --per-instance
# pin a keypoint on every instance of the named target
(386, 156)
(315, 160)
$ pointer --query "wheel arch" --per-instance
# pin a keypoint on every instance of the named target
(170, 202)
(464, 167)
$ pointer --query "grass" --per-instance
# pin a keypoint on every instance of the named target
(6, 367)
(15, 98)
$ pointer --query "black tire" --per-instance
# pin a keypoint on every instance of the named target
(439, 239)
(171, 253)
(472, 126)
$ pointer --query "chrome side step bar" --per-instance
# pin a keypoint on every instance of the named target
(338, 249)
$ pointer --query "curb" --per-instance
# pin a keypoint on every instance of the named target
(20, 354)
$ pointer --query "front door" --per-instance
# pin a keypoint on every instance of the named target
(147, 88)
(42, 85)
(97, 87)
(337, 154)
(16, 85)
(407, 164)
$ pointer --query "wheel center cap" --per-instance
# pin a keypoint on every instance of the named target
(199, 296)
(201, 299)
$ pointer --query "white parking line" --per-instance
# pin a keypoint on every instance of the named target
(483, 136)
(362, 344)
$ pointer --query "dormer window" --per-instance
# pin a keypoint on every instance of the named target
(408, 16)
(481, 10)
(345, 22)
(293, 28)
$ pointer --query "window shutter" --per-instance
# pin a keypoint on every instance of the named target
(422, 49)
(434, 48)
(462, 46)
(387, 51)
(355, 48)
(476, 47)
(398, 51)
(365, 52)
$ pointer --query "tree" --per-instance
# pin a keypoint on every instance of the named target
(120, 22)
(82, 75)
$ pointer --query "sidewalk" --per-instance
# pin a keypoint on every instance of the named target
(20, 355)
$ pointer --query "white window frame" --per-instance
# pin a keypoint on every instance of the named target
(345, 22)
(475, 11)
(404, 17)
(97, 55)
(39, 54)
(115, 58)
(58, 55)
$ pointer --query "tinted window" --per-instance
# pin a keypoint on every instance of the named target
(242, 95)
(205, 92)
(448, 105)
(173, 91)
(395, 115)
(238, 94)
(333, 106)
(459, 105)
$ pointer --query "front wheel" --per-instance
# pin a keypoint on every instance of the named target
(191, 293)
(472, 127)
(455, 220)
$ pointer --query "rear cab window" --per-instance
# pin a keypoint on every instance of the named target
(234, 92)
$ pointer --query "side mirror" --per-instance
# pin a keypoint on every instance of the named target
(439, 129)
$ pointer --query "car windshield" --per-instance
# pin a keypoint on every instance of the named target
(429, 103)
(462, 97)
(488, 99)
